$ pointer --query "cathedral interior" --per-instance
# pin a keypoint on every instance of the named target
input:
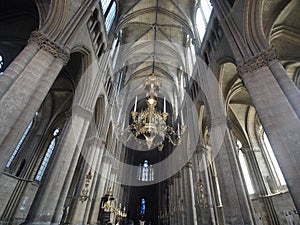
(150, 112)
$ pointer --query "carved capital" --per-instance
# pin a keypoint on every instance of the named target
(49, 46)
(259, 61)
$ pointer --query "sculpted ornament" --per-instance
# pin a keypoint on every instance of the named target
(259, 61)
(49, 46)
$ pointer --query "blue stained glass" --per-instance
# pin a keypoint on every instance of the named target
(143, 207)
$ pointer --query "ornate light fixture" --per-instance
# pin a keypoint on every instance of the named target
(203, 201)
(85, 191)
(111, 206)
(150, 124)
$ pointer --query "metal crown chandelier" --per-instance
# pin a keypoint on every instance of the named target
(149, 124)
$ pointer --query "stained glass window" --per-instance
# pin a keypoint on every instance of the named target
(1, 64)
(17, 149)
(105, 4)
(202, 17)
(145, 172)
(47, 156)
(110, 17)
(143, 207)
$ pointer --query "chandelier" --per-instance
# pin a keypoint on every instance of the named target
(151, 124)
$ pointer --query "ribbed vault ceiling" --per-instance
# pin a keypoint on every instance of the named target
(137, 23)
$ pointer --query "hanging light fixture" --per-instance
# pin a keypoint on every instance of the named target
(150, 124)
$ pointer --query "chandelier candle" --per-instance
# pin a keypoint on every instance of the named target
(135, 104)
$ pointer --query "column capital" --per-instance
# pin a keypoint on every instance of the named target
(49, 46)
(258, 61)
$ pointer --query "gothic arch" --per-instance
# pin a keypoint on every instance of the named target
(56, 19)
(254, 33)
(186, 24)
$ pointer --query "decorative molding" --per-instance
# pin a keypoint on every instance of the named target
(259, 61)
(49, 46)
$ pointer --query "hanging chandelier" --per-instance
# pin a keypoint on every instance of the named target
(151, 124)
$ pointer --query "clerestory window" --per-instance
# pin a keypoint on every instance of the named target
(105, 4)
(202, 17)
(109, 20)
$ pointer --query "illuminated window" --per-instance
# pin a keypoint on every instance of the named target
(143, 207)
(115, 51)
(47, 156)
(202, 17)
(1, 64)
(273, 161)
(245, 170)
(145, 172)
(17, 149)
(105, 4)
(110, 17)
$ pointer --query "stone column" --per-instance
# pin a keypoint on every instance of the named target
(171, 215)
(31, 76)
(189, 195)
(16, 67)
(82, 209)
(278, 117)
(237, 209)
(206, 212)
(179, 201)
(262, 190)
(220, 218)
(286, 84)
(103, 173)
(49, 202)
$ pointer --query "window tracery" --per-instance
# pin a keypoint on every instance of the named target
(110, 17)
(47, 156)
(18, 147)
(202, 17)
(105, 5)
(145, 172)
